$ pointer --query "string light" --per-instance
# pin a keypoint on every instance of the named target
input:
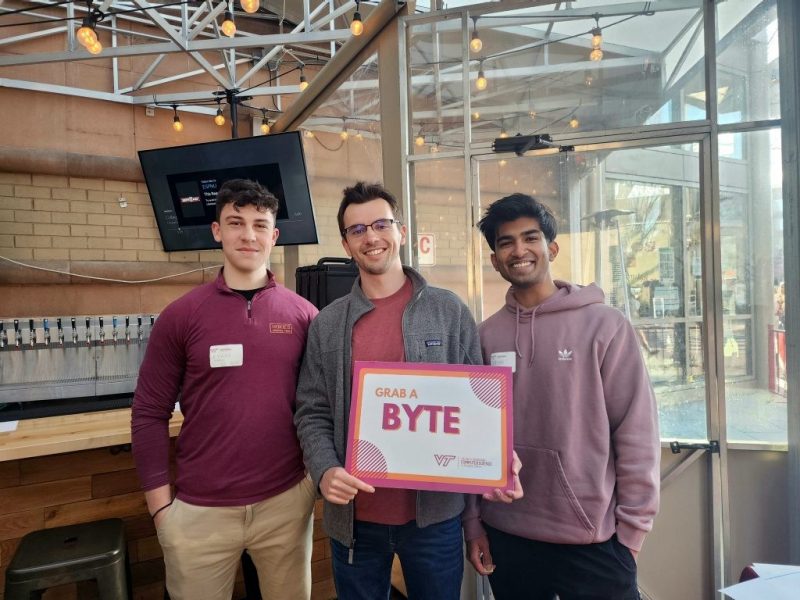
(303, 80)
(356, 25)
(476, 115)
(344, 135)
(86, 34)
(95, 48)
(435, 147)
(219, 119)
(475, 44)
(503, 132)
(481, 82)
(359, 136)
(249, 6)
(596, 54)
(532, 115)
(176, 120)
(308, 133)
(264, 123)
(228, 25)
(419, 141)
(574, 123)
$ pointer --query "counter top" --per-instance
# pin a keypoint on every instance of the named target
(70, 433)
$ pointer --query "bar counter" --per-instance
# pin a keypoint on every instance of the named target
(71, 433)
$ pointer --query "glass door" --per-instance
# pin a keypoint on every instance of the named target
(630, 220)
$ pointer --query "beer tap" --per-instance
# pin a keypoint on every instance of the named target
(139, 332)
(60, 329)
(17, 334)
(88, 332)
(114, 330)
(31, 333)
(127, 329)
(3, 335)
(73, 323)
(102, 332)
(46, 327)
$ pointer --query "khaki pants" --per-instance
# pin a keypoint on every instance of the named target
(202, 546)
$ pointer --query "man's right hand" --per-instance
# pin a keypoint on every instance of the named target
(479, 555)
(339, 487)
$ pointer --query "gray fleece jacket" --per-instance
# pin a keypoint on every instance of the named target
(323, 392)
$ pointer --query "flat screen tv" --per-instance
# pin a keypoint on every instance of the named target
(183, 182)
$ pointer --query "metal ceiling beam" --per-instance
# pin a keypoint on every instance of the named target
(283, 39)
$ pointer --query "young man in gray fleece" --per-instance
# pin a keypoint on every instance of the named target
(391, 314)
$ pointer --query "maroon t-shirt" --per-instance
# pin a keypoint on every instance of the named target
(378, 335)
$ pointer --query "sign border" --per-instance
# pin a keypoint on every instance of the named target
(421, 481)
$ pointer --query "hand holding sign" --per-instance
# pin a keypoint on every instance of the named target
(508, 496)
(339, 487)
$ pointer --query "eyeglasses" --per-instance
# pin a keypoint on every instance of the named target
(379, 226)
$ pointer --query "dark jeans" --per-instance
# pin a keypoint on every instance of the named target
(432, 559)
(530, 570)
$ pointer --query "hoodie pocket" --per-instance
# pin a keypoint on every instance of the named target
(551, 507)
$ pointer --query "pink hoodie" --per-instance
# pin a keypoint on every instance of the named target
(585, 422)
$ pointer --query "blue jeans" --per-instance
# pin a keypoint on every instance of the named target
(432, 559)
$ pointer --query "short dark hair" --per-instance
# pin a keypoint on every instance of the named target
(244, 192)
(362, 193)
(512, 208)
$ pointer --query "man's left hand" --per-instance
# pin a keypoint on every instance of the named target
(508, 496)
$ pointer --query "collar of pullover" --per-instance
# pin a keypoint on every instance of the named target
(568, 296)
(222, 286)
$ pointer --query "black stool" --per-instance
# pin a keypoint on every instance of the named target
(51, 557)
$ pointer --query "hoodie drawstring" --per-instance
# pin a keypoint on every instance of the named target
(516, 336)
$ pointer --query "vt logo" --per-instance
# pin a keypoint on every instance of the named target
(443, 459)
(565, 354)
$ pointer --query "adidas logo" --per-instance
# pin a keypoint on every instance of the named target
(565, 354)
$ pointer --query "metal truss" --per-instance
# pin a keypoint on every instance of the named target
(142, 28)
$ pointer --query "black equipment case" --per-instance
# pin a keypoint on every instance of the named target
(329, 279)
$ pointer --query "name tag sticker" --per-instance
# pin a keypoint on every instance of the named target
(226, 355)
(504, 359)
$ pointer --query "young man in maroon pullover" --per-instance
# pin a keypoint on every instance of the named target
(585, 427)
(232, 350)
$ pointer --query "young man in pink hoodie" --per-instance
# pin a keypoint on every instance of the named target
(585, 427)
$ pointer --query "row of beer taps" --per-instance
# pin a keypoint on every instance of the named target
(120, 334)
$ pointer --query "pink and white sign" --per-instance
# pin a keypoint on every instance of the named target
(431, 426)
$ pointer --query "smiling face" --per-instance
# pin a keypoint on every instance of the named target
(522, 254)
(374, 253)
(247, 235)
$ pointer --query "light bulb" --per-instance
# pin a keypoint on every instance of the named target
(249, 6)
(503, 133)
(219, 119)
(481, 83)
(597, 37)
(308, 133)
(359, 136)
(589, 81)
(435, 148)
(303, 82)
(532, 115)
(476, 115)
(228, 26)
(419, 141)
(95, 48)
(86, 34)
(176, 124)
(503, 162)
(574, 123)
(356, 25)
(344, 135)
(475, 44)
(596, 55)
(264, 126)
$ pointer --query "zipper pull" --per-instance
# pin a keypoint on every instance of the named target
(350, 552)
